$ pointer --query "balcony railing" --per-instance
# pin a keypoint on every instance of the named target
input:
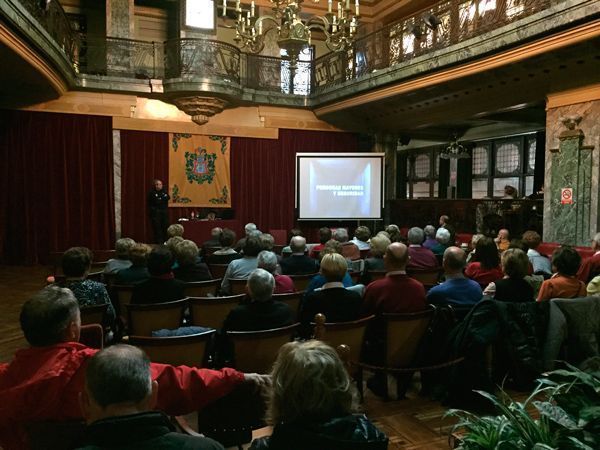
(450, 22)
(455, 21)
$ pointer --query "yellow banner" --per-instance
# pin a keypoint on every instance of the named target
(199, 171)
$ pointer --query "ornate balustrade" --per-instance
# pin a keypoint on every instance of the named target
(449, 22)
(446, 24)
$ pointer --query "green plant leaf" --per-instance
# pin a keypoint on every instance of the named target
(578, 444)
(556, 414)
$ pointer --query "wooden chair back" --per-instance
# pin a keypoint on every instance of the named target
(202, 288)
(92, 335)
(376, 274)
(212, 311)
(144, 319)
(351, 334)
(404, 334)
(237, 286)
(256, 351)
(218, 270)
(428, 277)
(277, 249)
(210, 250)
(93, 314)
(123, 293)
(355, 276)
(293, 299)
(301, 282)
(177, 350)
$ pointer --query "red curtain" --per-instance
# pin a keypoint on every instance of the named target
(144, 157)
(56, 184)
(262, 176)
(263, 173)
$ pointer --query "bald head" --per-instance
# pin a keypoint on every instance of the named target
(216, 233)
(396, 256)
(454, 260)
(298, 244)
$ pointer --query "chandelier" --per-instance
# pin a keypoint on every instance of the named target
(293, 32)
(454, 150)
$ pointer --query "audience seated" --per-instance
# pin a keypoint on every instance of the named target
(175, 230)
(396, 292)
(485, 268)
(331, 246)
(312, 403)
(456, 290)
(118, 404)
(349, 249)
(591, 266)
(444, 223)
(268, 260)
(474, 240)
(593, 287)
(379, 244)
(430, 241)
(564, 283)
(122, 261)
(267, 241)
(249, 229)
(361, 237)
(287, 250)
(333, 299)
(420, 258)
(225, 254)
(172, 244)
(393, 233)
(442, 237)
(513, 287)
(43, 381)
(298, 263)
(324, 236)
(138, 272)
(161, 286)
(242, 268)
(76, 263)
(214, 241)
(540, 263)
(502, 240)
(262, 313)
(189, 267)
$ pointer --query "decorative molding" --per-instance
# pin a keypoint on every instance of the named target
(200, 108)
(18, 46)
(168, 126)
(92, 103)
(563, 39)
(573, 96)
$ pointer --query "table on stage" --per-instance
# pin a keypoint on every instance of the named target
(199, 230)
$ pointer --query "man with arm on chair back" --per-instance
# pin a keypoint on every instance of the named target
(43, 382)
(118, 404)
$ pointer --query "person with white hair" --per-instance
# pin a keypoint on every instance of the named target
(283, 284)
(262, 313)
(118, 403)
(419, 257)
(121, 260)
(442, 236)
(298, 263)
(349, 249)
(430, 241)
(249, 229)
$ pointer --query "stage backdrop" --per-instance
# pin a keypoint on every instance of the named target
(199, 172)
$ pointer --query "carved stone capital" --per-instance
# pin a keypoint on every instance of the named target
(571, 123)
(200, 108)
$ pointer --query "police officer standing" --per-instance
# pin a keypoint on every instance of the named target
(158, 200)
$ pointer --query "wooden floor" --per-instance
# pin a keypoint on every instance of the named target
(414, 423)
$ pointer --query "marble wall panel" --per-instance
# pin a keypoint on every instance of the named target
(572, 167)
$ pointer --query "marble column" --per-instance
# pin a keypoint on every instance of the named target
(570, 220)
(119, 24)
(117, 180)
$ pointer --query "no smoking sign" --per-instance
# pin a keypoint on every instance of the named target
(566, 196)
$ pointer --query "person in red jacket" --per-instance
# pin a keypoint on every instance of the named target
(43, 382)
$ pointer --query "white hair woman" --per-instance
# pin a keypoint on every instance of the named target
(268, 260)
(312, 403)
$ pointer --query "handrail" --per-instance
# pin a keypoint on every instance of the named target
(442, 25)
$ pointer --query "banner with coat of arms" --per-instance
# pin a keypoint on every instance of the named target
(199, 171)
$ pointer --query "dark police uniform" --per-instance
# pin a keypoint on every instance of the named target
(157, 206)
